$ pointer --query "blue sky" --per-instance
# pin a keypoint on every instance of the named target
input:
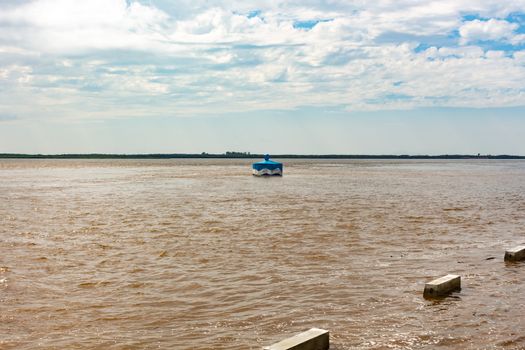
(116, 76)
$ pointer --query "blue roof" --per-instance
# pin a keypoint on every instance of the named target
(267, 164)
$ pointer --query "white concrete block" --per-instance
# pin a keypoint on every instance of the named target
(442, 286)
(313, 339)
(515, 254)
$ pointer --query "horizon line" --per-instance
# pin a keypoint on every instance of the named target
(248, 155)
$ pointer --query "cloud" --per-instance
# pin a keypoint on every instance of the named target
(492, 29)
(62, 26)
(115, 58)
(15, 73)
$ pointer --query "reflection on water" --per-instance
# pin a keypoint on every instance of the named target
(198, 254)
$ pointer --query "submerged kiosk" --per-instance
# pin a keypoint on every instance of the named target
(267, 167)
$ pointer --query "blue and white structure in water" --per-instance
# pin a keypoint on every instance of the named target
(267, 167)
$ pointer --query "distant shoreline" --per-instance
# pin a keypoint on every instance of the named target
(239, 155)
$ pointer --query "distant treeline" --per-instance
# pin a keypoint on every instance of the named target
(229, 155)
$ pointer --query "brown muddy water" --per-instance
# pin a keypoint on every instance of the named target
(198, 254)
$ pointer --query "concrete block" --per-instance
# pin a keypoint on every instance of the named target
(515, 254)
(313, 339)
(442, 286)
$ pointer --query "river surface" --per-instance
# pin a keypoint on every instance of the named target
(199, 254)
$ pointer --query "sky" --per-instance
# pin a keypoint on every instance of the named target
(307, 77)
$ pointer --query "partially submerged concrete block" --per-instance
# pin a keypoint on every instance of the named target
(442, 286)
(313, 339)
(515, 254)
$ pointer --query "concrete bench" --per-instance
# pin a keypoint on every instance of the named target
(515, 254)
(313, 339)
(442, 286)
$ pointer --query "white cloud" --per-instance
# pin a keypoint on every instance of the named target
(15, 74)
(492, 29)
(63, 26)
(158, 58)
